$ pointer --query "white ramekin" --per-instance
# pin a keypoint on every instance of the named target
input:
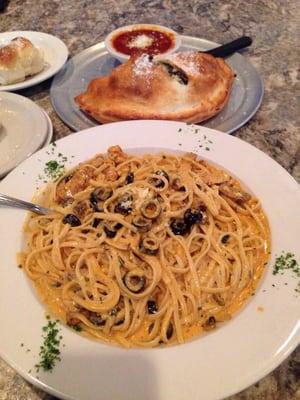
(124, 57)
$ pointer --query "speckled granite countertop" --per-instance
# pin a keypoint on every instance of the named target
(274, 129)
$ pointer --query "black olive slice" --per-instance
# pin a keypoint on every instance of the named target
(113, 312)
(163, 173)
(225, 238)
(150, 328)
(179, 227)
(129, 178)
(101, 193)
(149, 246)
(96, 222)
(151, 209)
(111, 228)
(134, 281)
(124, 204)
(210, 323)
(176, 184)
(170, 331)
(192, 216)
(152, 306)
(120, 322)
(71, 219)
(142, 224)
(96, 319)
(157, 182)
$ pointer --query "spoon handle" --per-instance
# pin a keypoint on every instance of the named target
(231, 47)
(12, 202)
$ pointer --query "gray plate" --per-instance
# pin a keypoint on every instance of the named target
(95, 61)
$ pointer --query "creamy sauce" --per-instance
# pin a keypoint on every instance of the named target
(51, 294)
(191, 331)
(56, 307)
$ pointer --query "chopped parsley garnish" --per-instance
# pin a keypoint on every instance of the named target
(54, 169)
(49, 351)
(287, 261)
(284, 262)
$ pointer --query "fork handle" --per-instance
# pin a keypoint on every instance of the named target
(16, 203)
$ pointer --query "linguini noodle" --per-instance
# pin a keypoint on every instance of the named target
(147, 250)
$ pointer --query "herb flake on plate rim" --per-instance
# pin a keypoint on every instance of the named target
(203, 142)
(54, 168)
(286, 261)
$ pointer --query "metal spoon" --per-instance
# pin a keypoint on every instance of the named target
(25, 205)
(231, 47)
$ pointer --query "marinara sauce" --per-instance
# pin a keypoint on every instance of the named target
(150, 41)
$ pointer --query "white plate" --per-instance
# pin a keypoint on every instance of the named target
(211, 367)
(49, 131)
(24, 130)
(55, 55)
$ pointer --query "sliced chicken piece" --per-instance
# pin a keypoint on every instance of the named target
(234, 193)
(97, 161)
(111, 174)
(215, 177)
(116, 154)
(72, 184)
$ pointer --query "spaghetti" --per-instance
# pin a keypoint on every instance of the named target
(147, 250)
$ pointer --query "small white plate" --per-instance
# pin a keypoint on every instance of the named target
(211, 367)
(122, 57)
(24, 130)
(49, 131)
(55, 55)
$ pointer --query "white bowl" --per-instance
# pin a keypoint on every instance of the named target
(124, 57)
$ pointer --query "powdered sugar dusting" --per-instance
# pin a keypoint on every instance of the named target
(143, 66)
(187, 61)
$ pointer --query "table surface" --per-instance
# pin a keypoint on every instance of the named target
(274, 129)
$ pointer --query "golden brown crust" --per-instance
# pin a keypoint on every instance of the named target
(141, 89)
(9, 55)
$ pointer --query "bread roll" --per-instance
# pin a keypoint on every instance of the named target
(18, 60)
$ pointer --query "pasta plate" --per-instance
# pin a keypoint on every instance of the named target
(258, 338)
